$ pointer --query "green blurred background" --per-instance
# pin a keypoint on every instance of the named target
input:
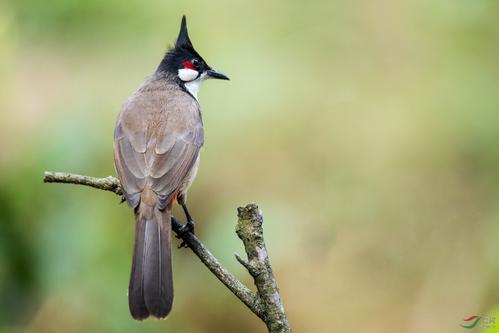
(367, 131)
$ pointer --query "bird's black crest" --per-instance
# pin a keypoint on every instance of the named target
(183, 40)
(181, 51)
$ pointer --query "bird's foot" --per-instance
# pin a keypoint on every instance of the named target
(188, 227)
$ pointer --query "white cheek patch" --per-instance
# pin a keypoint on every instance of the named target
(187, 74)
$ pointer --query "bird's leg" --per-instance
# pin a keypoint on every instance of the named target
(189, 226)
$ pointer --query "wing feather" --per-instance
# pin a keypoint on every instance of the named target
(158, 137)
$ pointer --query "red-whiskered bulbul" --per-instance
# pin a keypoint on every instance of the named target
(157, 139)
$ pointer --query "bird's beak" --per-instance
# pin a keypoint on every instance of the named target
(214, 74)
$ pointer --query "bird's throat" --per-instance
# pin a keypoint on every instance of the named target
(193, 87)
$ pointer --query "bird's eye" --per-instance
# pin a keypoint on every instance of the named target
(195, 62)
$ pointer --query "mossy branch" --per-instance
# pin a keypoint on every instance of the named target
(266, 302)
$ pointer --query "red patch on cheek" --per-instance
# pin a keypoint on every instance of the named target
(188, 64)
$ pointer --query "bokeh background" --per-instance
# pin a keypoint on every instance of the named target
(367, 132)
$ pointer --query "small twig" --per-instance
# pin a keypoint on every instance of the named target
(249, 267)
(266, 304)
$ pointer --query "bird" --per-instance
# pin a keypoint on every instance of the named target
(158, 136)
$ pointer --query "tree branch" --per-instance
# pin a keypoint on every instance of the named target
(249, 229)
(266, 304)
(109, 183)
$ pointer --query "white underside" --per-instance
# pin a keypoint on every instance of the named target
(193, 86)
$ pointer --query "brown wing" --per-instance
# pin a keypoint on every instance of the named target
(157, 139)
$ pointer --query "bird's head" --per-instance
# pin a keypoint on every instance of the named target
(184, 62)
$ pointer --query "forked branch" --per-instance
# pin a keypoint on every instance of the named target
(266, 303)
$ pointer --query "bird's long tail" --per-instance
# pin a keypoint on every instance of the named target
(150, 291)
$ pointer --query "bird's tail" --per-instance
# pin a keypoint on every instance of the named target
(150, 291)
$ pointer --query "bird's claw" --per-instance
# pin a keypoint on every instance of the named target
(188, 227)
